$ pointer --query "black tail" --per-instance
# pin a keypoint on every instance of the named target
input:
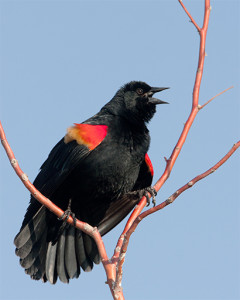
(43, 259)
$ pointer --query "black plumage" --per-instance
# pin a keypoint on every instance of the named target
(101, 168)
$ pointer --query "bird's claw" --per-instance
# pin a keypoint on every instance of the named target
(153, 193)
(65, 216)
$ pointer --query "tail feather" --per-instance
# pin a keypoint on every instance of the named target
(24, 250)
(91, 248)
(33, 230)
(30, 238)
(72, 266)
(83, 259)
(34, 268)
(31, 270)
(61, 269)
(44, 257)
(50, 262)
(27, 261)
(37, 275)
(38, 262)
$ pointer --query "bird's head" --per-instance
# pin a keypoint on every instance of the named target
(135, 101)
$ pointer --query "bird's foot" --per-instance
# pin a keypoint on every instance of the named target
(153, 193)
(65, 216)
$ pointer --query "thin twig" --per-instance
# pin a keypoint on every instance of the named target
(202, 106)
(191, 18)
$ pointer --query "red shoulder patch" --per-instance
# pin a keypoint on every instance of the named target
(86, 134)
(149, 164)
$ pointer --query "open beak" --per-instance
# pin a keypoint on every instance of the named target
(152, 92)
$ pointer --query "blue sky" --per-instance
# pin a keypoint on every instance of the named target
(61, 61)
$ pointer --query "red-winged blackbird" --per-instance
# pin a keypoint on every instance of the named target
(97, 172)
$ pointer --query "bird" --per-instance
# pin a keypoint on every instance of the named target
(96, 173)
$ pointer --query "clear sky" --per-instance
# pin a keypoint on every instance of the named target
(61, 61)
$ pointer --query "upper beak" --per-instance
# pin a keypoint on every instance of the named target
(152, 92)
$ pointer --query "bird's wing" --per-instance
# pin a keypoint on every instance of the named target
(145, 174)
(79, 141)
(121, 207)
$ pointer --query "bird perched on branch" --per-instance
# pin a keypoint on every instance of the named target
(97, 173)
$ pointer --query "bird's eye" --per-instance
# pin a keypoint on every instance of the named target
(139, 91)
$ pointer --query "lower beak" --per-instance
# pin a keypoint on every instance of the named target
(152, 92)
(156, 101)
